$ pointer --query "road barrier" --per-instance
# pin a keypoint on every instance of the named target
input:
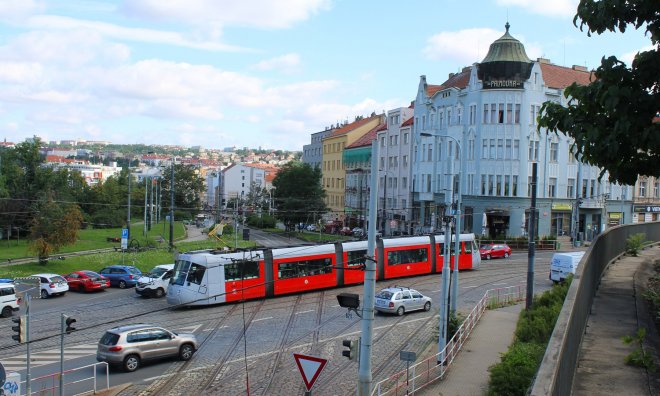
(431, 369)
(47, 385)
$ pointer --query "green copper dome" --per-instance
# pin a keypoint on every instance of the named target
(506, 49)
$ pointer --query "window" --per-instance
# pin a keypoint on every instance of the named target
(584, 187)
(500, 149)
(439, 151)
(242, 270)
(441, 118)
(492, 149)
(429, 156)
(486, 118)
(592, 190)
(507, 149)
(517, 115)
(514, 185)
(405, 138)
(500, 114)
(449, 120)
(656, 189)
(405, 160)
(533, 113)
(507, 189)
(484, 148)
(554, 152)
(356, 258)
(302, 268)
(533, 150)
(407, 256)
(552, 187)
(382, 141)
(491, 184)
(529, 186)
(509, 113)
(498, 187)
(493, 113)
(642, 189)
(483, 184)
(423, 122)
(404, 182)
(570, 188)
(473, 114)
(470, 153)
(196, 274)
(459, 115)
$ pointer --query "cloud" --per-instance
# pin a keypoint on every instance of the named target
(17, 10)
(468, 46)
(628, 57)
(554, 8)
(265, 14)
(20, 72)
(289, 63)
(52, 22)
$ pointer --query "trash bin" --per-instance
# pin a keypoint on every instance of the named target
(558, 246)
(246, 234)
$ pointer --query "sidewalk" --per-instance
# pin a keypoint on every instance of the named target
(469, 375)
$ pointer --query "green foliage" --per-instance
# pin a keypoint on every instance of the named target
(640, 357)
(263, 221)
(634, 244)
(298, 193)
(620, 103)
(514, 374)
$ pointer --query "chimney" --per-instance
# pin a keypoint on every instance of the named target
(580, 68)
(466, 69)
(543, 60)
(451, 75)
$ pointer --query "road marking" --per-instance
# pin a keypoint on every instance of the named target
(188, 329)
(260, 319)
(19, 362)
(469, 287)
(302, 312)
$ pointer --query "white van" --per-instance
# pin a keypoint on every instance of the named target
(9, 303)
(155, 282)
(563, 264)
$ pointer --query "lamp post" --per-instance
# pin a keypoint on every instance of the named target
(445, 276)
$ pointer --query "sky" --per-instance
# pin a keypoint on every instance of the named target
(253, 73)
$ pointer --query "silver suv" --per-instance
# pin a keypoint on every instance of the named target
(128, 346)
(400, 300)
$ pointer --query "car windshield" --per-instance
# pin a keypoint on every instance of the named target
(156, 272)
(91, 274)
(57, 279)
(486, 247)
(134, 271)
(384, 294)
(109, 338)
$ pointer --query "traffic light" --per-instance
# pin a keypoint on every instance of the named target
(353, 351)
(69, 321)
(20, 328)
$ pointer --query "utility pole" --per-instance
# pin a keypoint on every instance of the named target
(128, 215)
(146, 190)
(172, 207)
(364, 374)
(532, 233)
(444, 315)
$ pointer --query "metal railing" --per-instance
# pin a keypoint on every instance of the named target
(49, 384)
(431, 369)
(557, 370)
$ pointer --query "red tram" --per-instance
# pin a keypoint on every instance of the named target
(211, 277)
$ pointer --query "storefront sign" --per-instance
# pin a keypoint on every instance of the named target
(646, 208)
(562, 206)
(615, 215)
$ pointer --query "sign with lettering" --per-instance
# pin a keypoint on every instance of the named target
(646, 208)
(12, 385)
(562, 206)
(499, 84)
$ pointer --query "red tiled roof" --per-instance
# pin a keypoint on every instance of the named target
(367, 138)
(458, 80)
(353, 125)
(408, 122)
(561, 77)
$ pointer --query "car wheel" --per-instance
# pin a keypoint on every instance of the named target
(159, 292)
(400, 311)
(81, 288)
(488, 257)
(122, 284)
(6, 312)
(44, 294)
(506, 255)
(427, 306)
(131, 363)
(186, 351)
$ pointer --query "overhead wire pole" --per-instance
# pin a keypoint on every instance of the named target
(454, 283)
(364, 374)
(172, 207)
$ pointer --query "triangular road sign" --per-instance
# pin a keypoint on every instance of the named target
(310, 367)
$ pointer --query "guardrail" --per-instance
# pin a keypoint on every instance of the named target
(47, 385)
(557, 370)
(431, 369)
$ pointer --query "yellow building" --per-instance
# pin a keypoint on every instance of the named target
(332, 168)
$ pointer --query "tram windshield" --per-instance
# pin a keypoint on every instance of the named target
(181, 268)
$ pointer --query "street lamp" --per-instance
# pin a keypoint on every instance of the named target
(445, 276)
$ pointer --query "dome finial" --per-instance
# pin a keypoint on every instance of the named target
(507, 26)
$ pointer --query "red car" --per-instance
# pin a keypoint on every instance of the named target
(495, 250)
(87, 281)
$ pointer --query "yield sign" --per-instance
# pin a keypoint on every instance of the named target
(310, 367)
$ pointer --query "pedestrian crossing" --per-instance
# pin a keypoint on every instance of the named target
(42, 358)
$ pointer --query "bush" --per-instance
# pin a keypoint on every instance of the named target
(634, 243)
(263, 221)
(514, 374)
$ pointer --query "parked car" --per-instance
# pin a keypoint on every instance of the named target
(400, 300)
(52, 285)
(128, 346)
(86, 280)
(155, 282)
(312, 228)
(358, 232)
(495, 250)
(346, 231)
(122, 276)
(9, 303)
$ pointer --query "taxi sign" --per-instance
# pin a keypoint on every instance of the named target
(310, 367)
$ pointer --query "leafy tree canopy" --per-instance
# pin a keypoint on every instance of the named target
(612, 119)
(54, 225)
(298, 193)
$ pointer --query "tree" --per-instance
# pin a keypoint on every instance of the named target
(53, 226)
(188, 188)
(257, 198)
(612, 119)
(298, 193)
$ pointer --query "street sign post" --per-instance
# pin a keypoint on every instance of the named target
(124, 238)
(310, 367)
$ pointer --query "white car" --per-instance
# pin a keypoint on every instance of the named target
(9, 303)
(155, 282)
(399, 300)
(52, 285)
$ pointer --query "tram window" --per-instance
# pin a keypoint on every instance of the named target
(298, 269)
(407, 256)
(356, 258)
(440, 249)
(249, 269)
(180, 272)
(196, 274)
(467, 246)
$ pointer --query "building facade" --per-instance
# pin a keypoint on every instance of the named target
(313, 152)
(476, 135)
